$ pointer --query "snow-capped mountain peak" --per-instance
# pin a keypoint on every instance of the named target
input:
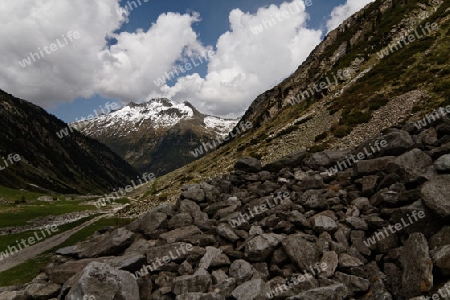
(156, 131)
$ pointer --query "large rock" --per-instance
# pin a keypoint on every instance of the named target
(207, 259)
(330, 260)
(248, 164)
(313, 199)
(291, 160)
(42, 291)
(227, 232)
(440, 239)
(64, 272)
(415, 163)
(190, 207)
(194, 194)
(317, 160)
(104, 283)
(336, 291)
(178, 235)
(191, 284)
(301, 252)
(113, 243)
(140, 246)
(354, 283)
(61, 273)
(262, 246)
(348, 261)
(148, 223)
(435, 194)
(175, 251)
(180, 220)
(398, 142)
(14, 295)
(441, 259)
(371, 166)
(417, 266)
(251, 290)
(241, 271)
(443, 164)
(321, 223)
(130, 263)
(199, 296)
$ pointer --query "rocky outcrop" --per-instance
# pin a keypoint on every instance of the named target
(290, 230)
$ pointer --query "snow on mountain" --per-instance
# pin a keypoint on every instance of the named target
(159, 113)
(222, 126)
(156, 136)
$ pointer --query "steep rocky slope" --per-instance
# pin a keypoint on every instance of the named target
(368, 93)
(309, 226)
(156, 136)
(72, 164)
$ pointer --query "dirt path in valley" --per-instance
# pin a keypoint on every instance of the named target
(45, 245)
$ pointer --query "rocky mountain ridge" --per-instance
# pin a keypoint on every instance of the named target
(48, 163)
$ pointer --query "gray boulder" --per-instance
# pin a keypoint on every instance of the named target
(251, 290)
(443, 164)
(104, 283)
(148, 223)
(177, 235)
(336, 291)
(398, 142)
(321, 223)
(191, 284)
(441, 259)
(248, 164)
(241, 271)
(227, 232)
(42, 291)
(291, 160)
(417, 266)
(301, 251)
(330, 260)
(194, 194)
(415, 163)
(435, 194)
(371, 166)
(262, 246)
(113, 243)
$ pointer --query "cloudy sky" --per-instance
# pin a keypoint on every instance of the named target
(72, 57)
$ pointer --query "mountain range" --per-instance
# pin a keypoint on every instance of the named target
(156, 136)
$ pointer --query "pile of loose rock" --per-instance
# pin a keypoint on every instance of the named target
(288, 230)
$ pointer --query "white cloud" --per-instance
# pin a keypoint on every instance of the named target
(244, 64)
(66, 73)
(86, 66)
(342, 12)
